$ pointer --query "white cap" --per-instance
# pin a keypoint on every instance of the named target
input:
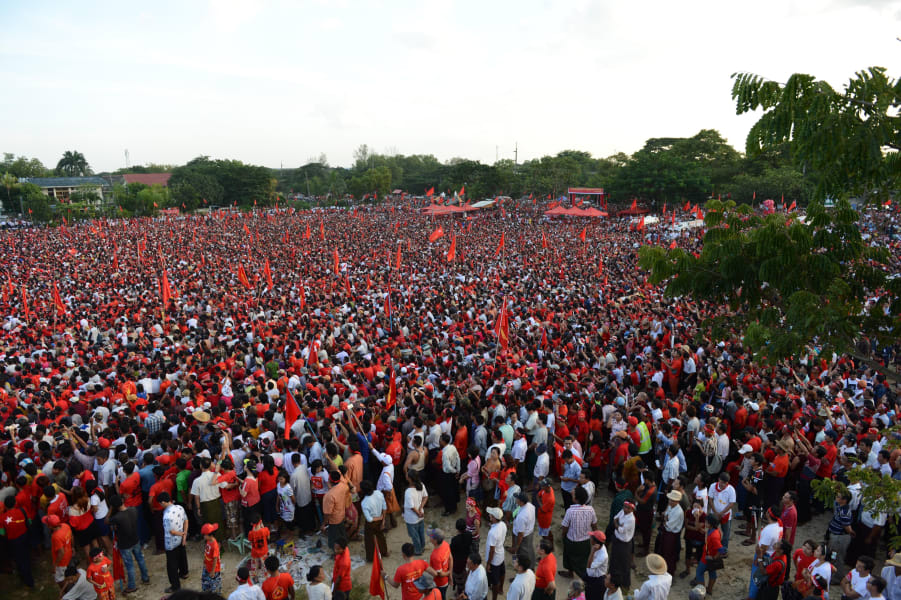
(745, 449)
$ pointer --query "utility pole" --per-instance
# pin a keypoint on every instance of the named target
(516, 154)
(496, 153)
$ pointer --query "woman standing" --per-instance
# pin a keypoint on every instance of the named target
(101, 515)
(775, 572)
(711, 560)
(81, 519)
(473, 522)
(268, 481)
(317, 588)
(250, 494)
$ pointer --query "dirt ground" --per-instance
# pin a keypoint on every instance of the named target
(732, 582)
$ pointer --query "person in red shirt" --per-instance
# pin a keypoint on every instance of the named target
(776, 472)
(259, 542)
(440, 560)
(278, 586)
(156, 509)
(407, 573)
(100, 574)
(789, 516)
(712, 545)
(341, 575)
(802, 558)
(14, 525)
(546, 571)
(211, 575)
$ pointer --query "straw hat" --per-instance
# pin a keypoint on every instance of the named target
(895, 560)
(675, 496)
(201, 416)
(656, 564)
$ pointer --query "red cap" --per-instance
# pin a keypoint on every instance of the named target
(209, 528)
(104, 442)
(51, 520)
(633, 421)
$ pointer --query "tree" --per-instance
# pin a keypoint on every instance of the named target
(788, 285)
(194, 189)
(73, 164)
(849, 138)
(23, 166)
(8, 181)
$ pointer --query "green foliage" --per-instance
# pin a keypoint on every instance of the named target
(73, 164)
(36, 205)
(22, 166)
(786, 284)
(85, 194)
(841, 136)
(373, 181)
(137, 199)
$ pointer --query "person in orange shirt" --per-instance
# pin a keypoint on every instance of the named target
(776, 472)
(279, 586)
(441, 560)
(341, 581)
(545, 572)
(61, 541)
(545, 512)
(259, 542)
(100, 574)
(211, 575)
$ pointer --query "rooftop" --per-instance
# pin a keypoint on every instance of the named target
(148, 178)
(55, 182)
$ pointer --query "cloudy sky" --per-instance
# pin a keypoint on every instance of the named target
(273, 83)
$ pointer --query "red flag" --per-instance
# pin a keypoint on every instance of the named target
(634, 204)
(687, 207)
(388, 303)
(292, 413)
(430, 192)
(754, 195)
(306, 234)
(60, 307)
(267, 271)
(672, 244)
(313, 357)
(392, 388)
(793, 206)
(321, 230)
(502, 329)
(397, 261)
(246, 230)
(543, 342)
(337, 262)
(543, 240)
(452, 251)
(242, 277)
(698, 213)
(436, 234)
(462, 190)
(303, 298)
(583, 234)
(500, 245)
(25, 308)
(165, 290)
(600, 266)
(641, 224)
(376, 583)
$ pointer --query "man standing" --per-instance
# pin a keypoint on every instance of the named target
(659, 582)
(524, 528)
(721, 500)
(476, 587)
(61, 542)
(124, 521)
(494, 550)
(577, 523)
(334, 505)
(246, 590)
(450, 470)
(840, 531)
(524, 583)
(441, 560)
(374, 510)
(621, 550)
(175, 526)
(570, 477)
(789, 516)
(673, 520)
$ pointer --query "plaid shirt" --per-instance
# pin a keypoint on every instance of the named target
(154, 423)
(581, 520)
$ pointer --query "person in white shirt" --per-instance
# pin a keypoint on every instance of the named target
(305, 516)
(891, 572)
(524, 528)
(524, 583)
(246, 590)
(854, 584)
(494, 549)
(767, 541)
(476, 587)
(659, 582)
(621, 549)
(598, 562)
(876, 587)
(542, 463)
(721, 501)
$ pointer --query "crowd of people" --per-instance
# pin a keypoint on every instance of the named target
(238, 379)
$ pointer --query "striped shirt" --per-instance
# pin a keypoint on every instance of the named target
(580, 519)
(840, 519)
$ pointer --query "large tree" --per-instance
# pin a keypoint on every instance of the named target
(73, 164)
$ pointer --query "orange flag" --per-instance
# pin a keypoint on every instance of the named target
(165, 290)
(306, 234)
(452, 251)
(500, 245)
(267, 271)
(600, 266)
(543, 240)
(392, 388)
(503, 328)
(321, 230)
(242, 277)
(303, 298)
(292, 413)
(583, 234)
(397, 262)
(60, 307)
(793, 206)
(337, 262)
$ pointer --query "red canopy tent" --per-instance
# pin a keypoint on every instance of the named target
(558, 211)
(575, 192)
(633, 212)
